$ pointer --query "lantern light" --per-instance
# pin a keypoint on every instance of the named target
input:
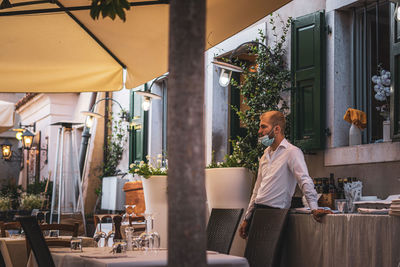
(27, 139)
(6, 149)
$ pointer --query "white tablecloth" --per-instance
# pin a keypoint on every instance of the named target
(14, 249)
(345, 240)
(134, 258)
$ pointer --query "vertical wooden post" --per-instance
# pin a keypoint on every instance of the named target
(186, 145)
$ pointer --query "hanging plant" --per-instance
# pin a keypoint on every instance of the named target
(114, 148)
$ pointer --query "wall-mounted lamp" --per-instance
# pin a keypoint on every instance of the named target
(6, 149)
(148, 95)
(27, 139)
(228, 68)
(147, 98)
(19, 133)
(90, 115)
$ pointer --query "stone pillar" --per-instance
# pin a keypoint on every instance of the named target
(186, 144)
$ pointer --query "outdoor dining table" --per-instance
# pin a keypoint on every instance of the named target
(101, 257)
(13, 249)
(346, 240)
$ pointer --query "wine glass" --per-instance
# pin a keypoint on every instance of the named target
(149, 240)
(128, 215)
(111, 233)
(100, 237)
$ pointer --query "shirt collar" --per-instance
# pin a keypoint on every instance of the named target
(284, 143)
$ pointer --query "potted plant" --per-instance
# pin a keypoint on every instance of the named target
(28, 202)
(263, 89)
(111, 183)
(153, 174)
(5, 205)
(229, 184)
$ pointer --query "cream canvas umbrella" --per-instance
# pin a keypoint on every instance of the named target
(6, 115)
(58, 47)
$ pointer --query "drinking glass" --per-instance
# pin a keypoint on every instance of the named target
(76, 244)
(119, 246)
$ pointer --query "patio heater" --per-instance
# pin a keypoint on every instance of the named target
(67, 188)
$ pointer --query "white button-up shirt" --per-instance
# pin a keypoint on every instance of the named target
(278, 173)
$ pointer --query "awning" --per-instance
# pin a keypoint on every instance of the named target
(51, 52)
(6, 115)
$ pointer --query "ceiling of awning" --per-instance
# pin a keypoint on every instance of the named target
(52, 53)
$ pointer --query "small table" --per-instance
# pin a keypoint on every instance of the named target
(14, 251)
(133, 258)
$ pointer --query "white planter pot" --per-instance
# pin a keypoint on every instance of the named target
(111, 197)
(229, 188)
(155, 197)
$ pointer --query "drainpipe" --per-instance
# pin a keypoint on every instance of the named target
(106, 117)
(85, 139)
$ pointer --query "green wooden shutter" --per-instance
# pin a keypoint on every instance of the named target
(138, 135)
(308, 81)
(235, 129)
(395, 73)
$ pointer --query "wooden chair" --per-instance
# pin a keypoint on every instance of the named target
(69, 228)
(72, 229)
(263, 243)
(34, 237)
(9, 226)
(58, 243)
(221, 229)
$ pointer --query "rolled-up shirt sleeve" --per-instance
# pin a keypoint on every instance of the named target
(298, 167)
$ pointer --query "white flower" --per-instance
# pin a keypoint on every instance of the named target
(141, 163)
(238, 161)
(131, 166)
(159, 156)
(147, 157)
(136, 170)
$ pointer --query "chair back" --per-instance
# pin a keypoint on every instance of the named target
(69, 228)
(58, 243)
(265, 232)
(221, 229)
(35, 238)
(9, 226)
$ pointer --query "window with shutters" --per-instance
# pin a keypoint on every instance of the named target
(138, 131)
(308, 81)
(371, 50)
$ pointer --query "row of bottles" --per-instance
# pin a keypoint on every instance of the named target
(325, 185)
(329, 190)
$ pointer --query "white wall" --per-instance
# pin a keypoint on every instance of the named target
(123, 97)
(46, 109)
(217, 97)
